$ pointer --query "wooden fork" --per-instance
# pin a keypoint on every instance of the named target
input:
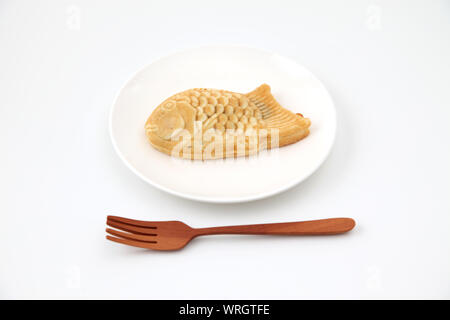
(174, 235)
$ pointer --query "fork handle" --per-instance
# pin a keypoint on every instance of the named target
(313, 227)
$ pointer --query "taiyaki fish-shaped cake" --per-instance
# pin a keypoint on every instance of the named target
(212, 124)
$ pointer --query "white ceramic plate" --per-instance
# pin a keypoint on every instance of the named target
(233, 68)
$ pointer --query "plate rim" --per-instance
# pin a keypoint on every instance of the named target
(215, 199)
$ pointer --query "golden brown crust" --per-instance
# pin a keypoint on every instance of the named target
(215, 124)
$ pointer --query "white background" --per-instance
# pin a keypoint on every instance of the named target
(386, 65)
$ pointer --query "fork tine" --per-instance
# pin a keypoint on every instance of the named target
(129, 228)
(131, 236)
(139, 244)
(138, 223)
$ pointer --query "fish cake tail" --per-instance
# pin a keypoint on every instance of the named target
(292, 127)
